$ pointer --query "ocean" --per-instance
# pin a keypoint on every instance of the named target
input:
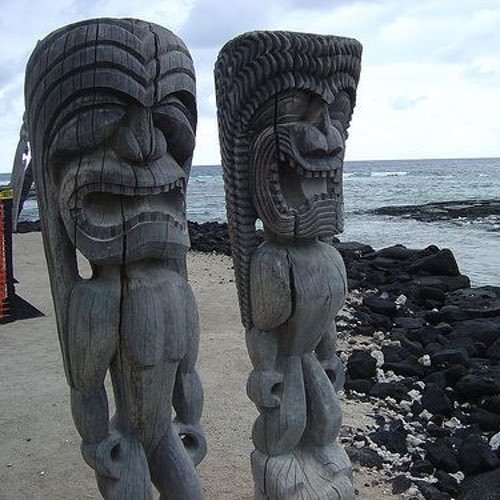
(372, 184)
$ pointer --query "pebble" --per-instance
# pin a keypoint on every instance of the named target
(425, 360)
(379, 357)
(495, 441)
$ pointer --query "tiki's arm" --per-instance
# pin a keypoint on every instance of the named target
(188, 392)
(270, 287)
(327, 354)
(271, 305)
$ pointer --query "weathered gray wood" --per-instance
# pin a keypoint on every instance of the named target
(112, 118)
(21, 179)
(284, 104)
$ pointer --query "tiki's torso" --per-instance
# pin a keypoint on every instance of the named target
(149, 326)
(316, 291)
(157, 315)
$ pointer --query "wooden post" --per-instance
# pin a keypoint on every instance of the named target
(111, 113)
(284, 103)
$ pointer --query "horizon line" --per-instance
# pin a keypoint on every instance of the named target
(386, 160)
(366, 161)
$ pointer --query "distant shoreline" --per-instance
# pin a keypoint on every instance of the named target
(350, 162)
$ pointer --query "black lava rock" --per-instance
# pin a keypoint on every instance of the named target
(409, 367)
(454, 373)
(477, 385)
(445, 283)
(394, 354)
(400, 484)
(442, 455)
(430, 492)
(436, 378)
(361, 365)
(380, 321)
(485, 486)
(493, 351)
(486, 331)
(447, 483)
(409, 323)
(435, 400)
(361, 385)
(421, 468)
(394, 390)
(426, 335)
(352, 249)
(447, 357)
(442, 263)
(491, 404)
(365, 457)
(393, 438)
(487, 420)
(475, 455)
(432, 293)
(381, 306)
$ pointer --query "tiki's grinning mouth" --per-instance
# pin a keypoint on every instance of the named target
(105, 211)
(297, 184)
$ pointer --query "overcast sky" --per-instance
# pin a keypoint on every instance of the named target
(430, 79)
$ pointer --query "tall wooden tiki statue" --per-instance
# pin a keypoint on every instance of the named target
(112, 116)
(284, 105)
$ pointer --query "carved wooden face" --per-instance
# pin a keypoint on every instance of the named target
(297, 157)
(122, 169)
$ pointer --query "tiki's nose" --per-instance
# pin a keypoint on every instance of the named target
(334, 142)
(138, 139)
(319, 137)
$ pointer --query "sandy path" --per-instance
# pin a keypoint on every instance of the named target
(39, 447)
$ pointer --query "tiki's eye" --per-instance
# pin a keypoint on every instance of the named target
(86, 130)
(177, 123)
(340, 111)
(293, 106)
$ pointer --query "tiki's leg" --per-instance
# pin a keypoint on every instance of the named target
(276, 386)
(183, 445)
(143, 396)
(172, 470)
(330, 468)
(93, 313)
(332, 364)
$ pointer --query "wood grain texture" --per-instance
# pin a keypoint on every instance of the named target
(284, 103)
(112, 117)
(21, 178)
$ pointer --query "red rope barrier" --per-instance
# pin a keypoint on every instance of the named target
(5, 266)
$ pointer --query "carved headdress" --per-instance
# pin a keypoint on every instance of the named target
(83, 84)
(250, 70)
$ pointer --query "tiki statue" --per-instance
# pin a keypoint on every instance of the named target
(112, 115)
(284, 105)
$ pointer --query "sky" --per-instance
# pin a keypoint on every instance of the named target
(430, 78)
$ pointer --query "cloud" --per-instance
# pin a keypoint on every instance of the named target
(430, 71)
(405, 102)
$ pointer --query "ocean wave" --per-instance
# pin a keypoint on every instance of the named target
(376, 174)
(389, 174)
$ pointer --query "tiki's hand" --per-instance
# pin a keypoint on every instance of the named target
(103, 456)
(264, 388)
(335, 371)
(193, 439)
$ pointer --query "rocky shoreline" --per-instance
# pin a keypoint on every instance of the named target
(423, 348)
(461, 210)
